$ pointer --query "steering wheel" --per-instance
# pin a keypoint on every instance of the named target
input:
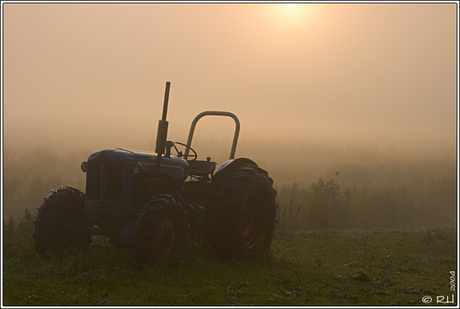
(180, 154)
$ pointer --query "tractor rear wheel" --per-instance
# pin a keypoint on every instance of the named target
(56, 222)
(243, 213)
(161, 232)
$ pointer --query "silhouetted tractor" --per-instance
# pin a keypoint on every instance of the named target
(146, 201)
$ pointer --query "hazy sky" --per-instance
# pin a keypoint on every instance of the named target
(96, 73)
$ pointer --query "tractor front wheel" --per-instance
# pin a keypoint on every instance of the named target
(161, 231)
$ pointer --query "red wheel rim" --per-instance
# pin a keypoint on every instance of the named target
(169, 236)
(254, 222)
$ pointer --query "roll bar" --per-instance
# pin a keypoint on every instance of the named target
(213, 113)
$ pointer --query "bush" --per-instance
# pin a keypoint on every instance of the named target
(331, 204)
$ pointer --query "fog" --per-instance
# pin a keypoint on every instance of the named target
(365, 89)
(93, 75)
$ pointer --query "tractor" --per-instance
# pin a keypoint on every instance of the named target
(147, 201)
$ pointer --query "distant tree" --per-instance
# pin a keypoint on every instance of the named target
(10, 227)
(11, 188)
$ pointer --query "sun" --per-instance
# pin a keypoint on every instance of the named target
(293, 16)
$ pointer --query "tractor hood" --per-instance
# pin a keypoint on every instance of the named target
(141, 162)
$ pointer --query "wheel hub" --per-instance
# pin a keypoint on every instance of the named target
(168, 239)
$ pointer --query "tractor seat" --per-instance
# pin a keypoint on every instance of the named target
(201, 168)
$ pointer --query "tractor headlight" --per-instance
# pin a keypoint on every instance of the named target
(84, 166)
(137, 168)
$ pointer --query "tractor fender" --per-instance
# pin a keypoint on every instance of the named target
(229, 166)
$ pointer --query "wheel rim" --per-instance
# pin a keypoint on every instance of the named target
(254, 221)
(169, 236)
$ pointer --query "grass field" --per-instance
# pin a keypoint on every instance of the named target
(306, 268)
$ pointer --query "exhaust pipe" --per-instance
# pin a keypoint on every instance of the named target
(162, 131)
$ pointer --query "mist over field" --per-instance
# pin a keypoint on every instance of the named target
(365, 90)
(364, 183)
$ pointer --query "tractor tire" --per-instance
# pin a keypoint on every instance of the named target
(242, 213)
(161, 232)
(56, 222)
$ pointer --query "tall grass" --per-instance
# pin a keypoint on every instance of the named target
(331, 204)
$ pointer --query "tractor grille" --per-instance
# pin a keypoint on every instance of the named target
(113, 184)
(104, 181)
(93, 180)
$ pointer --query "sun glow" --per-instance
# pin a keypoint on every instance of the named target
(293, 16)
